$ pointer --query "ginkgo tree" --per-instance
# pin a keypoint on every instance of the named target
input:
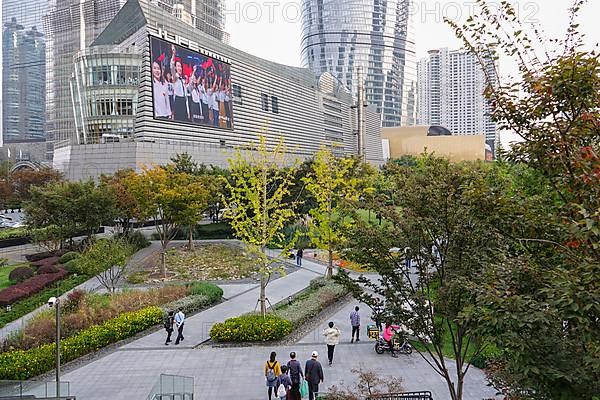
(331, 181)
(256, 205)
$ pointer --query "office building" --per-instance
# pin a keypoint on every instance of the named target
(343, 36)
(451, 87)
(22, 114)
(131, 111)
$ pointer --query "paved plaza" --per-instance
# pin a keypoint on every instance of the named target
(131, 371)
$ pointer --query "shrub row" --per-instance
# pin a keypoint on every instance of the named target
(22, 365)
(322, 294)
(20, 274)
(29, 304)
(210, 290)
(71, 255)
(9, 233)
(189, 304)
(28, 287)
(251, 328)
(46, 261)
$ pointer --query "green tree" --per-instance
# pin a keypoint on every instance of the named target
(331, 181)
(255, 205)
(106, 259)
(173, 199)
(126, 207)
(437, 218)
(543, 306)
(65, 208)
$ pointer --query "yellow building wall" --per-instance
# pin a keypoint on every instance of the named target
(414, 141)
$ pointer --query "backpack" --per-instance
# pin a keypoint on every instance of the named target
(270, 372)
(281, 392)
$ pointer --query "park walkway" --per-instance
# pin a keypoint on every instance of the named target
(197, 328)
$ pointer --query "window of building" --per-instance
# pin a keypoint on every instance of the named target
(237, 94)
(275, 104)
(264, 102)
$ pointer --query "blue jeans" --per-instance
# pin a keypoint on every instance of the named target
(216, 118)
(299, 261)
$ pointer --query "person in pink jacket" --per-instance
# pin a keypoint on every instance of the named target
(388, 334)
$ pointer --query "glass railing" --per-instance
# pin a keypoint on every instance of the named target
(173, 387)
(34, 390)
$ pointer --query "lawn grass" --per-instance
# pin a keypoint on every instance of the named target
(4, 272)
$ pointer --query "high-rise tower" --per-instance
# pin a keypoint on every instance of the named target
(338, 36)
(23, 71)
(451, 87)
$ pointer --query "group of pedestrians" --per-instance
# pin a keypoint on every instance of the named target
(172, 322)
(285, 381)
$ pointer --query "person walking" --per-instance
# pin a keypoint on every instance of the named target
(295, 373)
(377, 316)
(355, 322)
(284, 384)
(314, 375)
(299, 255)
(179, 321)
(332, 338)
(272, 372)
(169, 321)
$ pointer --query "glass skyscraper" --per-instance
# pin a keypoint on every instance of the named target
(339, 36)
(23, 71)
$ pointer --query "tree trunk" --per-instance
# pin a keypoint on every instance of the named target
(163, 263)
(263, 296)
(329, 272)
(191, 238)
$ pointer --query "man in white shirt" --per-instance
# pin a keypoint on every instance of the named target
(179, 320)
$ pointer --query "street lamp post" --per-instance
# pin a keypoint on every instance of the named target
(55, 302)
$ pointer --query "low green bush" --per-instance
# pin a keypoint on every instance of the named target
(313, 302)
(10, 233)
(251, 328)
(72, 266)
(210, 290)
(29, 304)
(488, 354)
(189, 304)
(71, 255)
(22, 365)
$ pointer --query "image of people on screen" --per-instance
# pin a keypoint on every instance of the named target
(190, 87)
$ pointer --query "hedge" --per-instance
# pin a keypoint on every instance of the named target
(189, 304)
(26, 364)
(20, 274)
(28, 287)
(251, 328)
(210, 290)
(71, 255)
(29, 304)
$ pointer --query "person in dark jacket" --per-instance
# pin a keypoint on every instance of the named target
(169, 321)
(299, 255)
(314, 375)
(295, 372)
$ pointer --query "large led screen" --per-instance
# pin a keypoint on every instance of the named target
(190, 87)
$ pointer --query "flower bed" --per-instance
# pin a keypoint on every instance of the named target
(28, 287)
(251, 328)
(29, 304)
(254, 328)
(25, 364)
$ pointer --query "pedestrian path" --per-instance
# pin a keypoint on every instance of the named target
(197, 328)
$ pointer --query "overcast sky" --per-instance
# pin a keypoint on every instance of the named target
(271, 29)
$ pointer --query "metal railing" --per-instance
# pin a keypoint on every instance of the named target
(33, 390)
(173, 387)
(424, 395)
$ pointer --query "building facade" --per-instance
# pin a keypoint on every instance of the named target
(120, 125)
(343, 36)
(451, 87)
(23, 75)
